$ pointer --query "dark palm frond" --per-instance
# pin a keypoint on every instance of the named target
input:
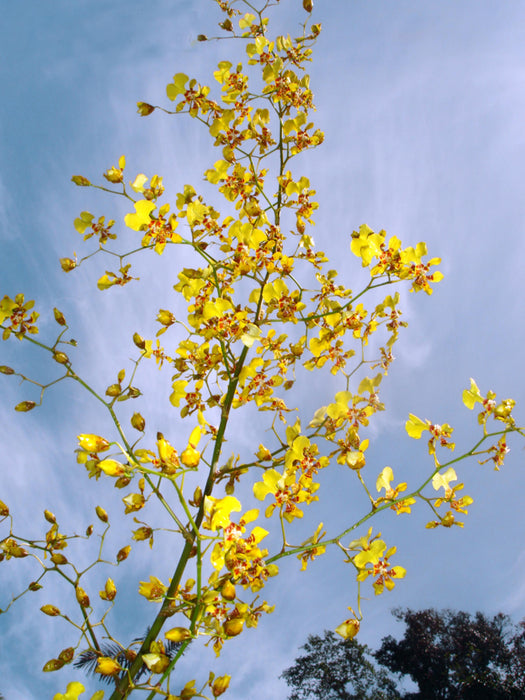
(170, 648)
(88, 658)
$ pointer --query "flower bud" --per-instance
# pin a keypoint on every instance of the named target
(138, 422)
(220, 685)
(230, 559)
(178, 634)
(66, 655)
(60, 357)
(165, 317)
(58, 559)
(114, 175)
(144, 109)
(59, 317)
(92, 443)
(50, 517)
(6, 370)
(139, 341)
(50, 610)
(107, 666)
(111, 467)
(233, 627)
(81, 181)
(25, 406)
(190, 457)
(67, 264)
(52, 665)
(123, 553)
(197, 497)
(101, 514)
(110, 590)
(82, 597)
(228, 590)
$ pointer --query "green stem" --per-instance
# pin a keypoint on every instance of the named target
(124, 685)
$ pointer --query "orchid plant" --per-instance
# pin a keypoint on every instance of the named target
(264, 307)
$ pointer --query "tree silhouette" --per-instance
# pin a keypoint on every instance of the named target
(453, 655)
(450, 655)
(338, 669)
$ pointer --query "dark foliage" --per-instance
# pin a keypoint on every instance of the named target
(449, 655)
(337, 669)
(455, 656)
(87, 660)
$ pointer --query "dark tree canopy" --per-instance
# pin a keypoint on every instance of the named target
(338, 669)
(449, 655)
(455, 656)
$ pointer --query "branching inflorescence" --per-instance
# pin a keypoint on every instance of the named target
(251, 326)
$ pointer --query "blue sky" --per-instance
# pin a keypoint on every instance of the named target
(422, 104)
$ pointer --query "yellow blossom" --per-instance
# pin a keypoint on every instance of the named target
(153, 591)
(107, 666)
